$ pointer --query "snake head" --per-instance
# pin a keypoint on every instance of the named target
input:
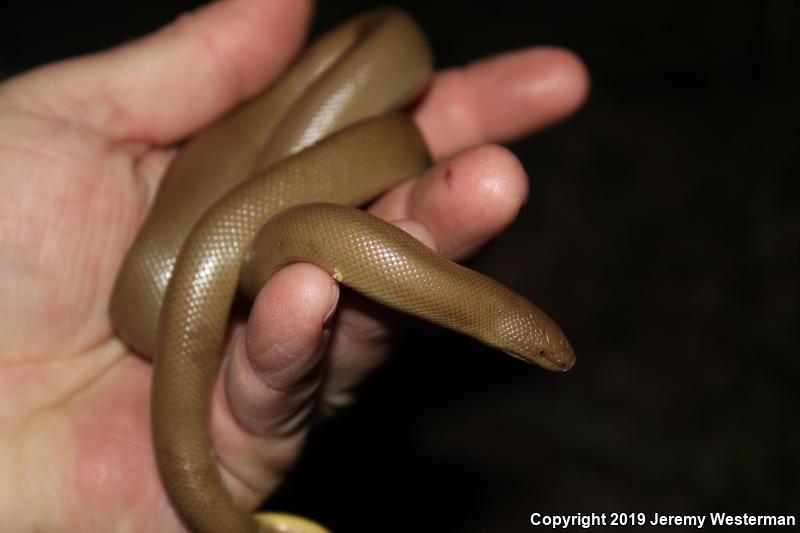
(556, 354)
(535, 338)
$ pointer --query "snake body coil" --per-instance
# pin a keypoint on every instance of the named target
(326, 132)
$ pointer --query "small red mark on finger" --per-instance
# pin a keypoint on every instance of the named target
(448, 176)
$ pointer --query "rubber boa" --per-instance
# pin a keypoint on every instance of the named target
(233, 208)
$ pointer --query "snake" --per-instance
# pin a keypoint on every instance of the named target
(275, 181)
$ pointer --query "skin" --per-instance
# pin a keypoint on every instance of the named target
(83, 145)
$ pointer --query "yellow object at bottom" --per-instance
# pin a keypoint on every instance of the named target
(286, 523)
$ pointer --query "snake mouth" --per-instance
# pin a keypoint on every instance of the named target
(560, 362)
(564, 363)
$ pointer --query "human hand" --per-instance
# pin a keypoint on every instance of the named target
(83, 145)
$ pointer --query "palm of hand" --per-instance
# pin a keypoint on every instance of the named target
(72, 201)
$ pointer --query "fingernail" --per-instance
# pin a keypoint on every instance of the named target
(327, 322)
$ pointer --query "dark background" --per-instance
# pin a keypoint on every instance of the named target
(663, 233)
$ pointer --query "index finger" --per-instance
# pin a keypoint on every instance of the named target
(501, 98)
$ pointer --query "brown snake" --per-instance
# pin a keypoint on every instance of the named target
(255, 169)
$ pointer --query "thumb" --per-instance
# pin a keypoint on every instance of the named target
(263, 403)
(161, 87)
